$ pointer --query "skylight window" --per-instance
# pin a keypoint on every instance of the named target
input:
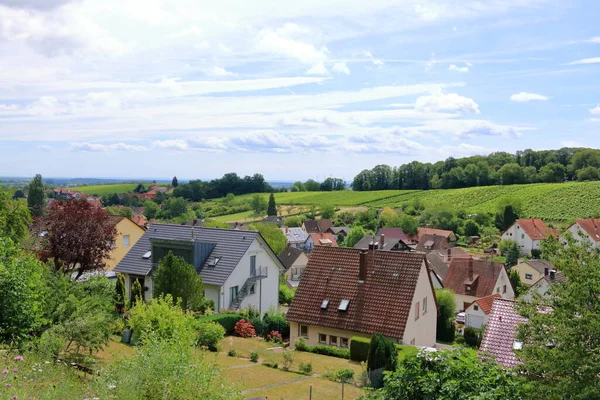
(211, 262)
(147, 255)
(517, 345)
(324, 304)
(344, 305)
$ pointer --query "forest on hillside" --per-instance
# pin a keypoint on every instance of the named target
(499, 168)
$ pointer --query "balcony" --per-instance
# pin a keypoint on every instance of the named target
(258, 273)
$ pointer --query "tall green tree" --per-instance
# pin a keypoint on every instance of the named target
(449, 375)
(176, 277)
(35, 197)
(272, 207)
(258, 204)
(446, 302)
(120, 294)
(174, 182)
(327, 211)
(151, 209)
(507, 213)
(14, 218)
(382, 355)
(272, 235)
(515, 281)
(511, 251)
(560, 344)
(356, 233)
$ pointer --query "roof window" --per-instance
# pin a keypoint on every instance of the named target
(211, 262)
(147, 255)
(324, 304)
(344, 305)
(517, 345)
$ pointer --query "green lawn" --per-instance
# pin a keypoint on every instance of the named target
(245, 216)
(102, 190)
(322, 389)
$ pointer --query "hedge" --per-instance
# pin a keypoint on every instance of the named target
(324, 350)
(359, 348)
(227, 321)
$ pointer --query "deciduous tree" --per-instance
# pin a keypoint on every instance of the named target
(445, 320)
(272, 235)
(80, 236)
(179, 279)
(356, 233)
(14, 218)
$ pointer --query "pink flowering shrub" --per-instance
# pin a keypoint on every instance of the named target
(245, 329)
(275, 337)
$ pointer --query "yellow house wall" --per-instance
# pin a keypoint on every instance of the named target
(523, 269)
(314, 331)
(124, 227)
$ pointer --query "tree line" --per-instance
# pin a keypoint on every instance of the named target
(499, 168)
(196, 190)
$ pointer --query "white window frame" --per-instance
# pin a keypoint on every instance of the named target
(417, 310)
(125, 240)
(324, 341)
(333, 340)
(300, 331)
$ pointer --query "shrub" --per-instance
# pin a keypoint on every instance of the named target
(306, 368)
(232, 353)
(245, 329)
(472, 336)
(260, 327)
(250, 313)
(275, 337)
(288, 360)
(277, 322)
(300, 344)
(227, 321)
(254, 356)
(329, 351)
(285, 294)
(343, 375)
(209, 335)
(536, 253)
(270, 364)
(359, 348)
(459, 340)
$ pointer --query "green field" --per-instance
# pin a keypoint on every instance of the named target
(550, 201)
(245, 216)
(102, 190)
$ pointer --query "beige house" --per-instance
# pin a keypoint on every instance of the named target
(128, 233)
(346, 292)
(476, 314)
(531, 271)
(471, 280)
(294, 261)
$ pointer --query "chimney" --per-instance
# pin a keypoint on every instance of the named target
(449, 254)
(552, 274)
(546, 271)
(381, 241)
(471, 268)
(362, 266)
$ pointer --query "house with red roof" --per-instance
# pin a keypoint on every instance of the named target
(476, 314)
(471, 280)
(319, 239)
(529, 234)
(347, 292)
(449, 235)
(586, 231)
(500, 337)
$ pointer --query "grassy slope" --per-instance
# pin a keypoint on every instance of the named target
(551, 201)
(106, 189)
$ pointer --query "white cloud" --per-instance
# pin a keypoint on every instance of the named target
(571, 143)
(171, 144)
(372, 59)
(594, 40)
(584, 61)
(595, 110)
(446, 102)
(524, 97)
(341, 67)
(455, 68)
(218, 72)
(317, 69)
(472, 128)
(96, 147)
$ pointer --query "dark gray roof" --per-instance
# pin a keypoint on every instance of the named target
(289, 255)
(230, 247)
(539, 265)
(388, 242)
(337, 229)
(437, 265)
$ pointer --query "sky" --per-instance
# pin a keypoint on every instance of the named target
(292, 90)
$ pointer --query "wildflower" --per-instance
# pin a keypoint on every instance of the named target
(15, 369)
(18, 358)
(8, 385)
(5, 372)
(14, 396)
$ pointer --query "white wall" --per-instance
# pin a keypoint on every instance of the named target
(270, 285)
(516, 234)
(475, 318)
(147, 283)
(423, 330)
(212, 292)
(581, 236)
(504, 280)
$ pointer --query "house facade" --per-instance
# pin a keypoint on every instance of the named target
(528, 233)
(317, 225)
(476, 314)
(348, 292)
(586, 231)
(471, 280)
(542, 286)
(319, 239)
(295, 237)
(294, 261)
(531, 271)
(128, 234)
(238, 268)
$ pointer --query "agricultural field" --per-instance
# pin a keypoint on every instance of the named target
(102, 190)
(549, 201)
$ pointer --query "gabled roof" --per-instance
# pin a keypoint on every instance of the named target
(337, 229)
(289, 256)
(229, 246)
(535, 228)
(485, 276)
(295, 235)
(379, 305)
(317, 225)
(398, 233)
(591, 226)
(485, 303)
(500, 332)
(437, 265)
(559, 277)
(323, 239)
(370, 240)
(431, 231)
(430, 242)
(539, 265)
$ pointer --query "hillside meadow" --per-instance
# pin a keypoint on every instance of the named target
(549, 201)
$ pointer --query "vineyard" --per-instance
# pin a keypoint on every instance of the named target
(549, 201)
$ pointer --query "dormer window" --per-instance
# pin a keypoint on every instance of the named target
(324, 304)
(211, 262)
(344, 305)
(468, 288)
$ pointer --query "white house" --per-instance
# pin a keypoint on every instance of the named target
(586, 230)
(476, 315)
(528, 233)
(471, 280)
(238, 268)
(542, 286)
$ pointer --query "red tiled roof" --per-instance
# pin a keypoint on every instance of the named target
(139, 220)
(485, 303)
(317, 237)
(431, 231)
(485, 276)
(500, 332)
(398, 233)
(379, 305)
(591, 226)
(432, 242)
(535, 228)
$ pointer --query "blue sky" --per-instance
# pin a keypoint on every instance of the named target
(293, 90)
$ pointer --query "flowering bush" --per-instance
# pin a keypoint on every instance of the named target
(275, 337)
(245, 329)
